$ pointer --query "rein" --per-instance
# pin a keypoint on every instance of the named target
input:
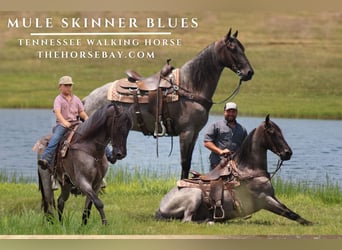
(190, 96)
(206, 103)
(271, 175)
(279, 164)
(233, 94)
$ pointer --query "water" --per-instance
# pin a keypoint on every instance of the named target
(316, 144)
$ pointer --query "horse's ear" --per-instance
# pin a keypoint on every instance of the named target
(267, 120)
(236, 34)
(228, 34)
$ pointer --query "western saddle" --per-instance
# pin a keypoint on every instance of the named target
(156, 91)
(225, 176)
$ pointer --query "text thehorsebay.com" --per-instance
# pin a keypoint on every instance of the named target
(100, 37)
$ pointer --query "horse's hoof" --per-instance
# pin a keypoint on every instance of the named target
(211, 222)
(305, 222)
(247, 217)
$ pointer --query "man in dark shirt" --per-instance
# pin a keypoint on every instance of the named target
(224, 137)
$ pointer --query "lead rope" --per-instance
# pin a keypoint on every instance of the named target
(279, 164)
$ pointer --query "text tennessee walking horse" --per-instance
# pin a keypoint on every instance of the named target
(196, 83)
(250, 192)
(85, 165)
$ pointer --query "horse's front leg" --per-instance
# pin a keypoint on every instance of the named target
(88, 201)
(86, 212)
(87, 189)
(275, 206)
(187, 140)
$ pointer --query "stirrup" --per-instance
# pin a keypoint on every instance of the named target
(163, 132)
(54, 185)
(222, 211)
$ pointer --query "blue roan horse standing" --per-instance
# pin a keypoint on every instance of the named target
(198, 79)
(85, 165)
(251, 191)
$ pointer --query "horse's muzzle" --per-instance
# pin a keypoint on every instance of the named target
(119, 156)
(246, 76)
(286, 155)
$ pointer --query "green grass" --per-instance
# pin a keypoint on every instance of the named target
(132, 199)
(14, 177)
(296, 57)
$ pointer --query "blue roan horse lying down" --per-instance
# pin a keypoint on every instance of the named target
(225, 193)
(85, 165)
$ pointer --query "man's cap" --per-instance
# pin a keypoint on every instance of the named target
(230, 105)
(65, 80)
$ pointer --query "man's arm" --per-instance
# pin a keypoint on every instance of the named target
(83, 115)
(61, 119)
(213, 148)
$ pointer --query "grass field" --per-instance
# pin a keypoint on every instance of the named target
(296, 56)
(131, 200)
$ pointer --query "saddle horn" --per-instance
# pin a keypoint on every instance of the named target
(167, 68)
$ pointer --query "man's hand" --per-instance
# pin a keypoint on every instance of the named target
(67, 124)
(225, 152)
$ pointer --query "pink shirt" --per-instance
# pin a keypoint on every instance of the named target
(70, 110)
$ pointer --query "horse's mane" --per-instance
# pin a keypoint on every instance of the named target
(245, 147)
(199, 67)
(95, 122)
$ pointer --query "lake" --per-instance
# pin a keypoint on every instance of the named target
(316, 145)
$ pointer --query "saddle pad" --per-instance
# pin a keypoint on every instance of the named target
(41, 143)
(195, 183)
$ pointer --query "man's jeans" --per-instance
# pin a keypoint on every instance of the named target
(50, 150)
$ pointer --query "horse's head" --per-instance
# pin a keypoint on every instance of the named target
(118, 126)
(232, 55)
(275, 141)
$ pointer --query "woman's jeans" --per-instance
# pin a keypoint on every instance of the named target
(50, 150)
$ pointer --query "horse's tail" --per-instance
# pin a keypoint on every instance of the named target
(161, 216)
(41, 189)
(45, 187)
(158, 215)
(44, 180)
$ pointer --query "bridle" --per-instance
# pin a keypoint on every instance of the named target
(273, 148)
(238, 86)
(115, 115)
